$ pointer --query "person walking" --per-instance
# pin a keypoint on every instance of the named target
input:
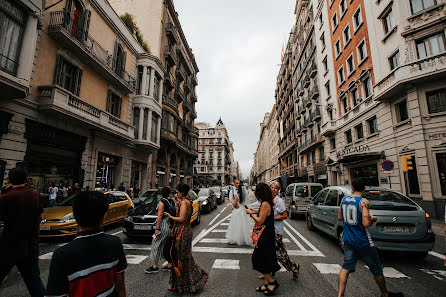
(240, 225)
(21, 210)
(121, 187)
(186, 276)
(136, 191)
(280, 214)
(162, 231)
(53, 194)
(355, 215)
(264, 258)
(92, 264)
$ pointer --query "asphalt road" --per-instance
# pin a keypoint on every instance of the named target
(230, 270)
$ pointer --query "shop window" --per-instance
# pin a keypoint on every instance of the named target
(431, 46)
(372, 125)
(12, 24)
(441, 163)
(402, 113)
(419, 5)
(348, 136)
(436, 101)
(359, 131)
(67, 75)
(114, 103)
(394, 60)
(412, 177)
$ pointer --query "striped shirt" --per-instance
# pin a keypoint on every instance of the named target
(86, 267)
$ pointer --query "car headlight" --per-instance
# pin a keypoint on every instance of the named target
(204, 202)
(67, 219)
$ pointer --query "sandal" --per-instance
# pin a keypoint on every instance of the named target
(172, 289)
(261, 276)
(262, 288)
(296, 274)
(268, 291)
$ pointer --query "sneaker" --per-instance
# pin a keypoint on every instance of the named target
(166, 268)
(152, 270)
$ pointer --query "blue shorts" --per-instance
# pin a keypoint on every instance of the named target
(368, 254)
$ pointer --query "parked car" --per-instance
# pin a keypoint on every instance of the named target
(402, 224)
(298, 196)
(208, 200)
(143, 197)
(218, 194)
(59, 220)
(225, 191)
(141, 221)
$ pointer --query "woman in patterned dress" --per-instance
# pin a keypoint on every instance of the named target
(186, 276)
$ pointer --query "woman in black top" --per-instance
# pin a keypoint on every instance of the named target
(264, 257)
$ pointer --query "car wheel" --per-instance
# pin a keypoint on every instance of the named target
(340, 236)
(310, 225)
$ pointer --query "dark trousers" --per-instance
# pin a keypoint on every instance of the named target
(29, 269)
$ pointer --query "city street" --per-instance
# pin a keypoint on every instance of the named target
(231, 274)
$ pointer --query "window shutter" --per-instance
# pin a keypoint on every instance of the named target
(87, 23)
(58, 70)
(124, 58)
(119, 108)
(78, 82)
(115, 53)
(109, 103)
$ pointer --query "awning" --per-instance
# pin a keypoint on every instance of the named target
(361, 157)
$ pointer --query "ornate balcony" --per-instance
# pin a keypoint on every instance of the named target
(65, 31)
(170, 55)
(313, 70)
(169, 80)
(306, 81)
(308, 102)
(180, 75)
(302, 107)
(314, 93)
(329, 129)
(56, 100)
(317, 114)
(194, 79)
(311, 143)
(172, 33)
(170, 102)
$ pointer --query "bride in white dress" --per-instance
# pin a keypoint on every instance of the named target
(240, 225)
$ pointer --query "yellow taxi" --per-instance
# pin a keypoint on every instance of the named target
(59, 220)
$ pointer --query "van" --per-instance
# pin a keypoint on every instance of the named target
(298, 196)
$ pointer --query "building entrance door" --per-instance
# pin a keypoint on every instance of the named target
(368, 173)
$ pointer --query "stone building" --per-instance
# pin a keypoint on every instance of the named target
(215, 149)
(160, 26)
(262, 152)
(90, 115)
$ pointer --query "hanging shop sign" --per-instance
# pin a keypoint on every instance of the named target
(352, 150)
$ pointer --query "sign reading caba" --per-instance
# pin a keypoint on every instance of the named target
(352, 150)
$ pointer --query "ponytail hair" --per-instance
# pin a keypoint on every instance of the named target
(241, 194)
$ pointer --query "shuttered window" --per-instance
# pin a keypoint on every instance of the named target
(67, 75)
(114, 103)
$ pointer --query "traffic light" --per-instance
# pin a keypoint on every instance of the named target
(406, 164)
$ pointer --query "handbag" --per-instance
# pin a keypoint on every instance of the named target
(256, 233)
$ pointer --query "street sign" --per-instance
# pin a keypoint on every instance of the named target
(384, 180)
(388, 172)
(387, 165)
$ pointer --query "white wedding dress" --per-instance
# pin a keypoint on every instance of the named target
(240, 226)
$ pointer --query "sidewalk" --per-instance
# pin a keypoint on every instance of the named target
(438, 227)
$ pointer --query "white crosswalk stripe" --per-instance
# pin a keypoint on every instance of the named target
(328, 268)
(226, 264)
(390, 272)
(135, 259)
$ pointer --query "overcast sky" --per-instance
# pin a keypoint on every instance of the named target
(237, 45)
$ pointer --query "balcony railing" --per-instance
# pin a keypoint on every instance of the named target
(329, 129)
(317, 113)
(65, 30)
(171, 55)
(306, 81)
(172, 32)
(313, 70)
(171, 102)
(314, 92)
(170, 80)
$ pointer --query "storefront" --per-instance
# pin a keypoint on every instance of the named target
(53, 156)
(106, 171)
(137, 174)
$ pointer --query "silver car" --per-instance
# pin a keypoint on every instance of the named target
(402, 224)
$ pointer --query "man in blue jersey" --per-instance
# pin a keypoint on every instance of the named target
(355, 215)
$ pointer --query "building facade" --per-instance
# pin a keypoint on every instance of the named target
(215, 160)
(262, 152)
(161, 27)
(78, 123)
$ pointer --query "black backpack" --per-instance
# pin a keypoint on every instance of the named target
(169, 206)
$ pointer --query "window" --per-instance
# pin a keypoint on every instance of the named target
(401, 110)
(12, 24)
(373, 125)
(147, 91)
(313, 157)
(332, 198)
(333, 143)
(419, 5)
(325, 63)
(338, 49)
(114, 104)
(156, 91)
(323, 40)
(343, 7)
(357, 19)
(388, 22)
(367, 83)
(344, 104)
(355, 97)
(136, 121)
(348, 136)
(321, 19)
(359, 131)
(441, 163)
(139, 80)
(327, 88)
(321, 153)
(394, 60)
(436, 101)
(350, 65)
(362, 52)
(67, 75)
(154, 131)
(319, 198)
(431, 46)
(341, 75)
(347, 36)
(334, 21)
(308, 159)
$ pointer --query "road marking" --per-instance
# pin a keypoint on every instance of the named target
(116, 233)
(216, 217)
(438, 274)
(203, 234)
(224, 224)
(328, 268)
(435, 254)
(390, 272)
(304, 239)
(240, 250)
(199, 236)
(295, 240)
(46, 256)
(214, 240)
(226, 264)
(219, 231)
(135, 259)
(142, 247)
(286, 240)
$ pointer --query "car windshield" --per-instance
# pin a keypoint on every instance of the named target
(152, 197)
(216, 190)
(67, 202)
(203, 192)
(301, 191)
(388, 200)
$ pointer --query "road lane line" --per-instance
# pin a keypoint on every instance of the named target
(295, 240)
(390, 272)
(216, 217)
(226, 264)
(135, 259)
(116, 233)
(303, 238)
(46, 256)
(203, 234)
(219, 231)
(200, 235)
(435, 254)
(328, 268)
(142, 247)
(214, 240)
(224, 224)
